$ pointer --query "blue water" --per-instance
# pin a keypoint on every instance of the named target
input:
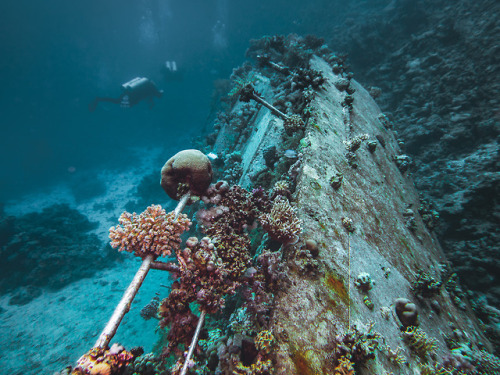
(58, 55)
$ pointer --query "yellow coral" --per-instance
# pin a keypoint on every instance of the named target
(101, 369)
(419, 341)
(99, 361)
(344, 368)
(260, 367)
(152, 232)
(264, 341)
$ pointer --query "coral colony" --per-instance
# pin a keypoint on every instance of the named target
(238, 254)
(208, 270)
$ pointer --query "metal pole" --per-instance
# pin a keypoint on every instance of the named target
(124, 306)
(193, 343)
(273, 109)
(182, 203)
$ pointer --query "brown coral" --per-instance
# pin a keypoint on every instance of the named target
(282, 222)
(152, 232)
(186, 171)
(419, 342)
(293, 124)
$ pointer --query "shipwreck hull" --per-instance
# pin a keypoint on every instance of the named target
(368, 223)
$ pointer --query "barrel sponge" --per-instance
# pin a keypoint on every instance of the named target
(186, 171)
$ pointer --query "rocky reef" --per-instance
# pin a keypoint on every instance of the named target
(434, 68)
(50, 249)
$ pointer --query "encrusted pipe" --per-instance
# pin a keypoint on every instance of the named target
(182, 203)
(162, 266)
(124, 306)
(193, 343)
(272, 108)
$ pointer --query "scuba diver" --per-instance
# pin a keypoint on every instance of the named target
(134, 91)
(171, 72)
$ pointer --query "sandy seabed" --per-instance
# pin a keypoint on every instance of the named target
(56, 328)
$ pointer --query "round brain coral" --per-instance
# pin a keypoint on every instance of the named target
(153, 232)
(188, 170)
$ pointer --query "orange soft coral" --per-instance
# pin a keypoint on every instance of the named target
(152, 232)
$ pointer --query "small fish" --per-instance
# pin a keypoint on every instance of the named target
(290, 154)
(212, 155)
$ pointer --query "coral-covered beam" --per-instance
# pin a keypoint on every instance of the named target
(124, 305)
(193, 343)
(272, 108)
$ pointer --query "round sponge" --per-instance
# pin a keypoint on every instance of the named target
(186, 171)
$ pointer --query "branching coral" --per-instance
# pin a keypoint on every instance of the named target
(258, 301)
(354, 143)
(238, 206)
(344, 367)
(226, 223)
(204, 274)
(282, 222)
(262, 364)
(364, 282)
(241, 83)
(272, 268)
(152, 232)
(202, 279)
(336, 180)
(210, 269)
(348, 224)
(356, 345)
(419, 342)
(150, 310)
(260, 367)
(484, 362)
(176, 313)
(425, 285)
(148, 364)
(281, 187)
(395, 356)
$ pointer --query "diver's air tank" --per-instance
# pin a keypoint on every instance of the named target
(135, 83)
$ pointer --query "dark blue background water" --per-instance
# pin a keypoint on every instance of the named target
(58, 55)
